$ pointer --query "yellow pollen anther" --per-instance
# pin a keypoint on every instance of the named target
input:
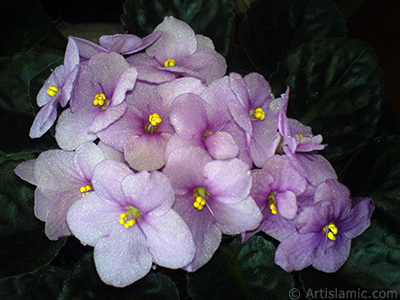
(273, 209)
(333, 231)
(86, 189)
(129, 218)
(101, 101)
(200, 195)
(300, 135)
(53, 90)
(155, 119)
(257, 114)
(170, 63)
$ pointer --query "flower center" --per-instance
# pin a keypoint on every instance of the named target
(53, 90)
(272, 202)
(200, 195)
(86, 189)
(129, 218)
(155, 121)
(257, 114)
(101, 101)
(331, 231)
(170, 63)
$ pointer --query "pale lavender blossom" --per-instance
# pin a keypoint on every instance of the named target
(276, 189)
(212, 197)
(179, 52)
(129, 222)
(325, 230)
(257, 113)
(97, 101)
(144, 130)
(62, 178)
(56, 90)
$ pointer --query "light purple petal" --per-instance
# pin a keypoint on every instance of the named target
(87, 156)
(111, 153)
(229, 180)
(107, 69)
(358, 219)
(189, 116)
(296, 252)
(91, 218)
(121, 43)
(146, 152)
(184, 167)
(25, 171)
(122, 258)
(177, 40)
(208, 63)
(206, 235)
(106, 117)
(170, 90)
(42, 205)
(72, 129)
(107, 179)
(237, 217)
(125, 83)
(260, 91)
(330, 259)
(151, 193)
(169, 240)
(221, 145)
(86, 48)
(44, 119)
(57, 79)
(287, 204)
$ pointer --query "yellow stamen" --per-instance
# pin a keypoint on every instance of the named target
(130, 217)
(200, 194)
(272, 201)
(333, 231)
(86, 189)
(170, 63)
(53, 90)
(155, 119)
(101, 101)
(300, 135)
(273, 209)
(257, 114)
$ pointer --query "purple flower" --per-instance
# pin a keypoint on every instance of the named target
(201, 118)
(325, 230)
(61, 178)
(97, 101)
(275, 189)
(129, 221)
(257, 112)
(57, 89)
(212, 196)
(179, 52)
(144, 130)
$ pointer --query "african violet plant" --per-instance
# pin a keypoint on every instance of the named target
(177, 165)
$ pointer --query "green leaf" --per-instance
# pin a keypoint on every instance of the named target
(23, 244)
(86, 284)
(375, 172)
(241, 271)
(44, 284)
(373, 265)
(210, 18)
(336, 88)
(16, 74)
(273, 28)
(25, 24)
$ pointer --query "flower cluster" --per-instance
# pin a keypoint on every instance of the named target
(162, 153)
